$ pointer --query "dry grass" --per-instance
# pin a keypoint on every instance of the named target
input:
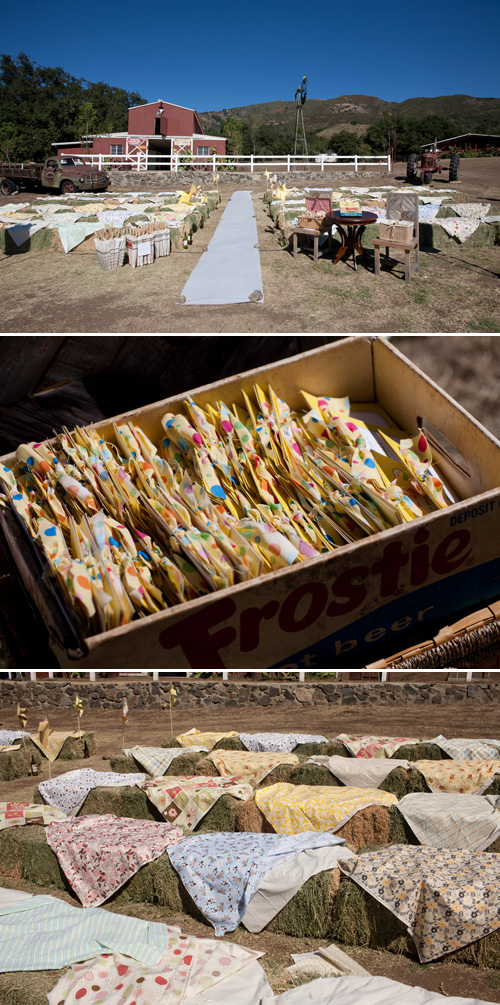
(455, 290)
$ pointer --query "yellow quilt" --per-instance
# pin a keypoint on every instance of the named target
(252, 767)
(458, 776)
(291, 809)
(196, 739)
(55, 744)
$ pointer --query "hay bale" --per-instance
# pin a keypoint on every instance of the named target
(401, 782)
(183, 764)
(229, 743)
(313, 774)
(222, 817)
(74, 748)
(360, 920)
(424, 751)
(331, 748)
(171, 742)
(206, 767)
(15, 764)
(281, 773)
(124, 765)
(494, 788)
(28, 988)
(434, 236)
(42, 240)
(122, 800)
(26, 855)
(369, 826)
(251, 819)
(309, 914)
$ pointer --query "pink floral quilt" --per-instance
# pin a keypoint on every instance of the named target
(98, 854)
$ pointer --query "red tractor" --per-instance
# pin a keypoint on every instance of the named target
(429, 165)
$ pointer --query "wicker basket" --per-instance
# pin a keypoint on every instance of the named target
(110, 253)
(140, 250)
(314, 221)
(396, 230)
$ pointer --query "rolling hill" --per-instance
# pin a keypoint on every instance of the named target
(355, 112)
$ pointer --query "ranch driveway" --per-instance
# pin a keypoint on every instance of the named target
(150, 727)
(454, 291)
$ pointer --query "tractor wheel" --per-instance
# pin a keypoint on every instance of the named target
(412, 167)
(7, 186)
(422, 177)
(67, 187)
(428, 177)
(454, 167)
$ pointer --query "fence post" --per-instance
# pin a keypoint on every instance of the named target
(322, 162)
(32, 674)
(100, 162)
(288, 163)
(224, 675)
(155, 674)
(388, 163)
(213, 162)
(302, 676)
(251, 163)
(355, 163)
(91, 674)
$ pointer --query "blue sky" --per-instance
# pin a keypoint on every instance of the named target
(217, 55)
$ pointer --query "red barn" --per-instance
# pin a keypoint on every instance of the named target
(157, 128)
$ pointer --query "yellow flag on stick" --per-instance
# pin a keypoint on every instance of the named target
(172, 697)
(79, 711)
(124, 719)
(21, 715)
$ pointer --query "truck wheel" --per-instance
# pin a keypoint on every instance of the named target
(454, 167)
(7, 186)
(428, 177)
(412, 167)
(67, 187)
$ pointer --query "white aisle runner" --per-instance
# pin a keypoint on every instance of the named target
(229, 271)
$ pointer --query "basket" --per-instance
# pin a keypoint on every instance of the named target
(110, 253)
(161, 240)
(314, 221)
(396, 230)
(140, 250)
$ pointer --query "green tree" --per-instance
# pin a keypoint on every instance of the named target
(232, 129)
(40, 105)
(86, 122)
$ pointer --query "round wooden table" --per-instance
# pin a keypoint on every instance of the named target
(351, 231)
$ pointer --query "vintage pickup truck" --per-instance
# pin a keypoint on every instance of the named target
(67, 173)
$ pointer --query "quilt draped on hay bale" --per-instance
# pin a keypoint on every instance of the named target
(360, 920)
(74, 748)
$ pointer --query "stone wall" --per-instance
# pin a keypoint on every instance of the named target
(191, 693)
(168, 180)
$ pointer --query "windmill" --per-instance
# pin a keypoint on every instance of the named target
(300, 132)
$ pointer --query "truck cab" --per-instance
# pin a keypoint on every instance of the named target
(70, 173)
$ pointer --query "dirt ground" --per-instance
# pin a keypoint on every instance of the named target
(467, 367)
(153, 727)
(454, 291)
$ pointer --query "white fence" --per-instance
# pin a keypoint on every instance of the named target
(155, 673)
(151, 161)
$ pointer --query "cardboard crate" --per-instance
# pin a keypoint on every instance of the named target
(396, 230)
(338, 609)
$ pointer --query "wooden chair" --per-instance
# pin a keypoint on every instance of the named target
(401, 206)
(315, 203)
